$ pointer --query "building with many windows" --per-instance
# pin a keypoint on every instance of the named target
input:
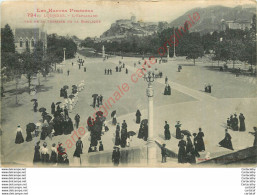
(26, 38)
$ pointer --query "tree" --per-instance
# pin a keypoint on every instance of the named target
(7, 40)
(194, 51)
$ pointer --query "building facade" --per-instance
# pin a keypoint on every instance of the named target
(26, 38)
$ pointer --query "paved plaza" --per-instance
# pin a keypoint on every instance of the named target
(188, 103)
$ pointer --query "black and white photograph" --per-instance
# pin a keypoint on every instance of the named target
(128, 84)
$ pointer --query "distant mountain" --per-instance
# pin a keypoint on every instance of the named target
(210, 20)
(210, 17)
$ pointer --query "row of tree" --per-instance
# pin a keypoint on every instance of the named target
(29, 63)
(231, 44)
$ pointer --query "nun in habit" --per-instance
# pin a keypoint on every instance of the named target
(226, 142)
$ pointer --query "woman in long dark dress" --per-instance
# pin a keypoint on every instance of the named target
(242, 122)
(226, 142)
(182, 151)
(19, 138)
(101, 147)
(200, 145)
(123, 138)
(145, 128)
(189, 145)
(196, 145)
(178, 131)
(53, 157)
(117, 136)
(166, 131)
(37, 158)
(43, 133)
(138, 117)
(79, 148)
(114, 120)
(235, 123)
(29, 136)
(53, 108)
(140, 132)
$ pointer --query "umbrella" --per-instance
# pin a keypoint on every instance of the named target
(58, 103)
(65, 87)
(145, 121)
(74, 86)
(71, 96)
(132, 133)
(33, 100)
(31, 127)
(186, 132)
(42, 109)
(94, 95)
(113, 113)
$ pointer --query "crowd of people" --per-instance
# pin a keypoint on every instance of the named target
(233, 122)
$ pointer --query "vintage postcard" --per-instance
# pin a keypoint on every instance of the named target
(128, 83)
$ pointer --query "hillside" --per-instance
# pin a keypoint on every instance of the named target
(210, 17)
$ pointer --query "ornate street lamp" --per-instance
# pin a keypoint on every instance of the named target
(151, 146)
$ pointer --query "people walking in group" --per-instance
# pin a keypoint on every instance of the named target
(166, 131)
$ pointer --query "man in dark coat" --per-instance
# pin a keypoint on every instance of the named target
(110, 71)
(100, 100)
(235, 123)
(242, 122)
(77, 120)
(140, 132)
(138, 117)
(116, 156)
(104, 71)
(166, 131)
(196, 145)
(35, 106)
(79, 148)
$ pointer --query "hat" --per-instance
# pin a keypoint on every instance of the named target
(255, 128)
(53, 144)
(19, 125)
(38, 142)
(194, 134)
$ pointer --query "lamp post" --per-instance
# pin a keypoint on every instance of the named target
(174, 55)
(168, 53)
(64, 55)
(151, 147)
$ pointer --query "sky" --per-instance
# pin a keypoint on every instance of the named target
(17, 13)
